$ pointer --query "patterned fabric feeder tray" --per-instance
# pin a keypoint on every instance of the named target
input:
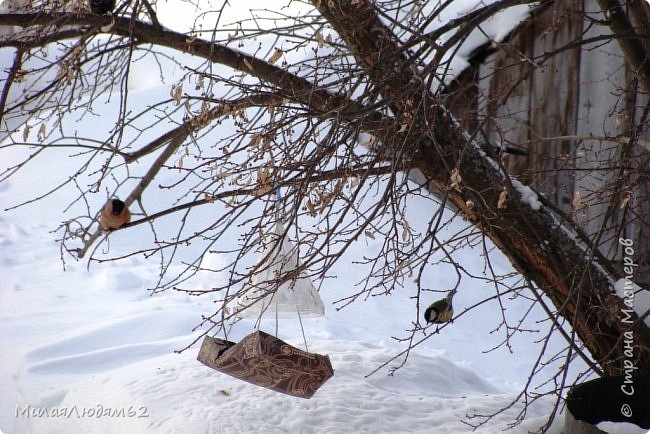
(269, 362)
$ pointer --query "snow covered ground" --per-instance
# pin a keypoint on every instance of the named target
(95, 341)
(78, 344)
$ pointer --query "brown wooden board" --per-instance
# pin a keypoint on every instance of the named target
(571, 106)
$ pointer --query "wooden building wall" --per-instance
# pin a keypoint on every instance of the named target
(544, 91)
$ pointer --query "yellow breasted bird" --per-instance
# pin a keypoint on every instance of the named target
(114, 215)
(440, 311)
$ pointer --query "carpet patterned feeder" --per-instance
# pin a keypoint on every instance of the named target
(261, 358)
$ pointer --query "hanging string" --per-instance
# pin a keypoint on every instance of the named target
(226, 332)
(302, 329)
(276, 320)
(258, 321)
(278, 218)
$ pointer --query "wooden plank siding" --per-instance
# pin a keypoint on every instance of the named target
(541, 83)
(508, 99)
(602, 113)
(554, 95)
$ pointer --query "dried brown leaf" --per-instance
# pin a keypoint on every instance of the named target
(577, 199)
(503, 196)
(455, 179)
(275, 56)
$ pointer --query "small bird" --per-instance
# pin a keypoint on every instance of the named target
(114, 215)
(440, 311)
(494, 149)
(101, 7)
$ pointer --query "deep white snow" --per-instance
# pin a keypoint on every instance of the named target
(91, 351)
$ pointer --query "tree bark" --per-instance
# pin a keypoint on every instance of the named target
(526, 232)
(425, 132)
(628, 39)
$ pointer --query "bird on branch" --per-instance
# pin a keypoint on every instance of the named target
(493, 149)
(114, 215)
(440, 311)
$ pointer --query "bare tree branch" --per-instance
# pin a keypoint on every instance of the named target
(521, 228)
(628, 39)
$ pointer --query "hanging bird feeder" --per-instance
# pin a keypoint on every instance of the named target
(266, 361)
(263, 359)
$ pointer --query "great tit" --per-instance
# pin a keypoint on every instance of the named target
(440, 311)
(494, 149)
(101, 7)
(114, 215)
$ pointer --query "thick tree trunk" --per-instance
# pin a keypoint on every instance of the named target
(525, 231)
(426, 133)
(630, 42)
